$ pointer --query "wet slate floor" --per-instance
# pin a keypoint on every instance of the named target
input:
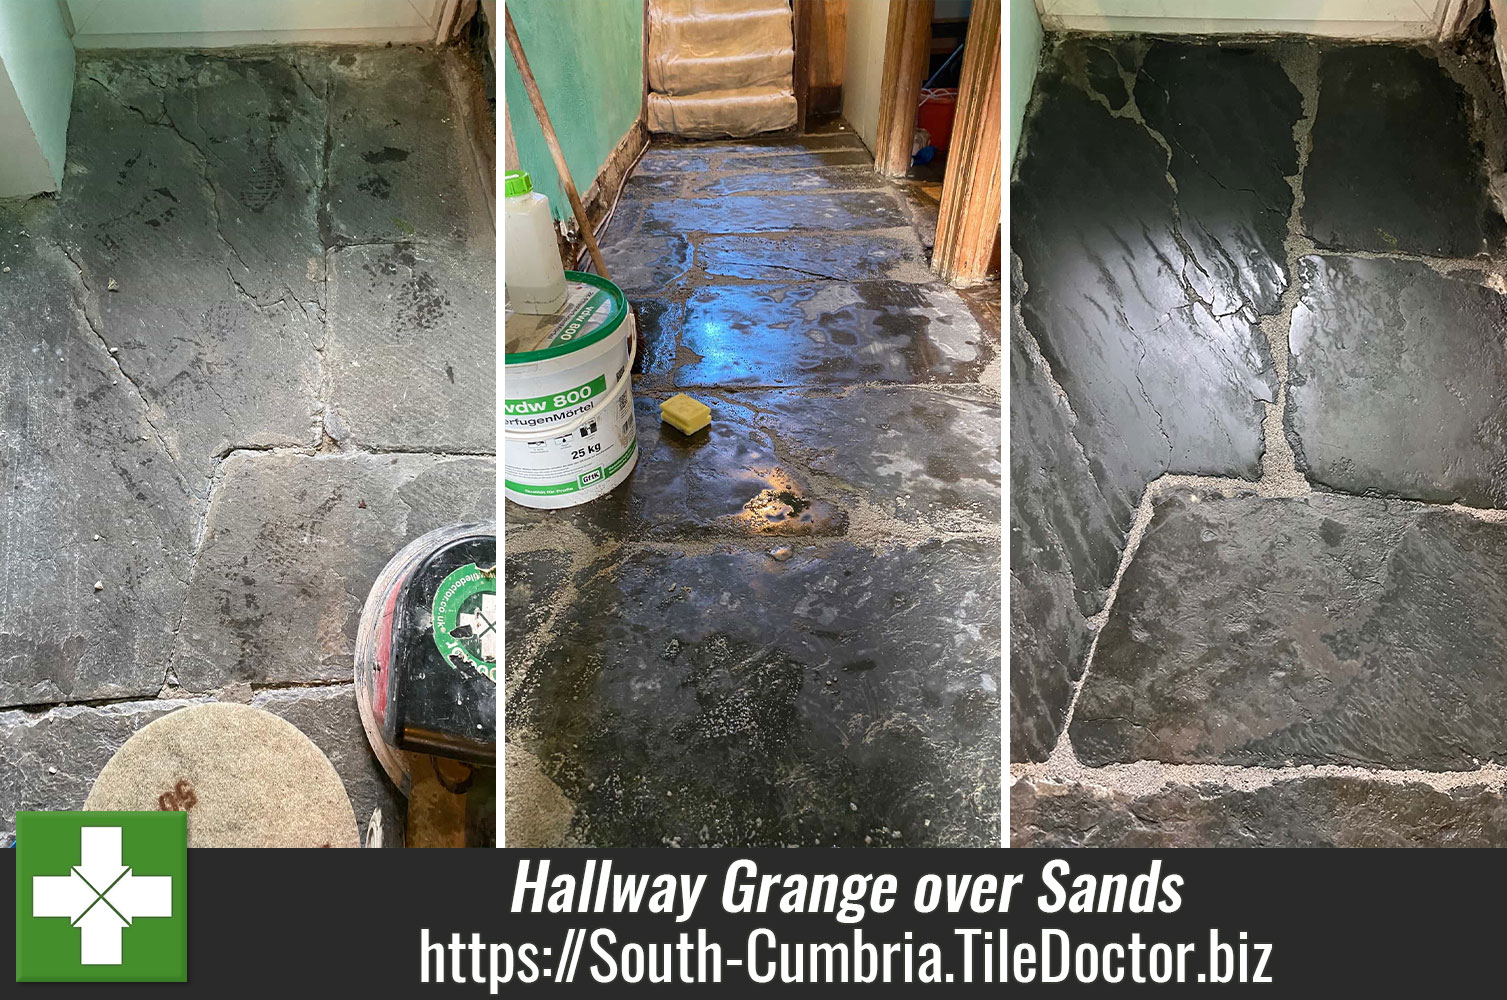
(1259, 447)
(240, 371)
(782, 629)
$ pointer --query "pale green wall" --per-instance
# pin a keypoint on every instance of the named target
(37, 55)
(588, 58)
(1025, 53)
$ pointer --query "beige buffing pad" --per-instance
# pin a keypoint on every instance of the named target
(539, 814)
(246, 778)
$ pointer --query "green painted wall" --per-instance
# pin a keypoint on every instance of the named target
(1025, 53)
(588, 58)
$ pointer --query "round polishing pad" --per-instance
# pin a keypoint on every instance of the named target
(245, 777)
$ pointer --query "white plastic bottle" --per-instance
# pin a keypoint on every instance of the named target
(535, 278)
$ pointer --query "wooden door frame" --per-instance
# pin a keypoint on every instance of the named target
(907, 43)
(643, 104)
(968, 222)
(801, 13)
(818, 48)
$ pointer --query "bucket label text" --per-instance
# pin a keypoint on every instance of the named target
(556, 400)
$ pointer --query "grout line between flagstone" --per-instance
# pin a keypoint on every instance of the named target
(39, 711)
(1145, 777)
(1279, 462)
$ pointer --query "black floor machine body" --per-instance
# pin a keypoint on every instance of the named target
(427, 650)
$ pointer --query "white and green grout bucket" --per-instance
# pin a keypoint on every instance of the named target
(568, 428)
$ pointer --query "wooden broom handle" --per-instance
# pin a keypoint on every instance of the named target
(553, 141)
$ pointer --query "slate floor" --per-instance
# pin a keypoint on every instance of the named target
(781, 630)
(1259, 447)
(247, 357)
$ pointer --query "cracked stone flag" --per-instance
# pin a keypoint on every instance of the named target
(101, 897)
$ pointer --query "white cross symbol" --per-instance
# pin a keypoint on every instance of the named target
(101, 896)
(484, 626)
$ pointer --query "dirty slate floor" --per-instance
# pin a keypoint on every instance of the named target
(672, 680)
(1259, 429)
(247, 357)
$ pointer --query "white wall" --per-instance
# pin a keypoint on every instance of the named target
(36, 88)
(36, 54)
(864, 66)
(1343, 18)
(209, 23)
(23, 169)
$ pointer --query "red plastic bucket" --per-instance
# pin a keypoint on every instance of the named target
(936, 113)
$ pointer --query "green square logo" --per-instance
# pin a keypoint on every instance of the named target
(101, 897)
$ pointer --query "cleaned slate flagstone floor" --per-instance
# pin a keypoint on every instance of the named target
(1259, 447)
(667, 673)
(247, 356)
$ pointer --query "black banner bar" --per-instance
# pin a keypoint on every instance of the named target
(263, 922)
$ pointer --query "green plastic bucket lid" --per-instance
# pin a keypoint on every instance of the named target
(516, 182)
(594, 309)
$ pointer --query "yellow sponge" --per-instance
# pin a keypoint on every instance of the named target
(685, 414)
